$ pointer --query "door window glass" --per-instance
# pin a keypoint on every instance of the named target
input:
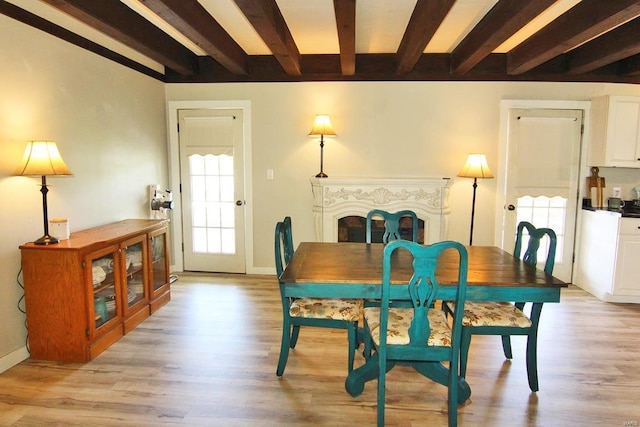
(544, 212)
(212, 203)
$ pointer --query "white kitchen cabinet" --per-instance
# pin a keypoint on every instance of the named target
(615, 131)
(628, 258)
(608, 256)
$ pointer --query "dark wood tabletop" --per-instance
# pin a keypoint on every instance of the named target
(493, 273)
(362, 263)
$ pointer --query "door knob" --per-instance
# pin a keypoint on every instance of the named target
(239, 202)
(511, 208)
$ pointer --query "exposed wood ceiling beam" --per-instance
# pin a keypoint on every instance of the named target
(115, 19)
(607, 53)
(266, 18)
(192, 19)
(35, 21)
(630, 66)
(501, 22)
(622, 42)
(586, 20)
(346, 25)
(381, 67)
(425, 20)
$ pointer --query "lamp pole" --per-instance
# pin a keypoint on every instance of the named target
(473, 210)
(321, 174)
(46, 239)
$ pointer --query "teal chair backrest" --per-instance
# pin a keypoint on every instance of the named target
(423, 289)
(392, 224)
(530, 255)
(283, 245)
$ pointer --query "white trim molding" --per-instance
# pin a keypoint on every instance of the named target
(12, 359)
(174, 173)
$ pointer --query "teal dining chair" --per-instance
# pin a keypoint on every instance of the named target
(319, 312)
(504, 318)
(418, 335)
(392, 224)
(391, 232)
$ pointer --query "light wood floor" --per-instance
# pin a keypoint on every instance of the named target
(208, 358)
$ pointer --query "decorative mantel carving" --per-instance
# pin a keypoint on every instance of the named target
(335, 198)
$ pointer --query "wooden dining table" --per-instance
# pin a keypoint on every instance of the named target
(354, 270)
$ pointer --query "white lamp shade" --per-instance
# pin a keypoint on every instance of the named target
(476, 167)
(42, 158)
(322, 126)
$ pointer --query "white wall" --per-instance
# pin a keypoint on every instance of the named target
(109, 123)
(391, 129)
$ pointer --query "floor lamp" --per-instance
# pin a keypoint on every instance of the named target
(322, 126)
(42, 158)
(476, 167)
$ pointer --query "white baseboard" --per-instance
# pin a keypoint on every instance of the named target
(262, 270)
(13, 358)
(635, 299)
(268, 271)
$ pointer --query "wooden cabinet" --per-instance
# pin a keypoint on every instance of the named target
(615, 131)
(608, 252)
(85, 293)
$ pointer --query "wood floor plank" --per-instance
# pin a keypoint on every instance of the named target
(208, 358)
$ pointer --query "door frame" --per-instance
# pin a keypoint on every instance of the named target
(501, 182)
(175, 227)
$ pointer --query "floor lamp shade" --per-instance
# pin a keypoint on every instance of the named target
(475, 167)
(42, 158)
(322, 126)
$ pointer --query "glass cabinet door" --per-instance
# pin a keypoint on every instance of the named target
(159, 287)
(134, 260)
(104, 282)
(159, 261)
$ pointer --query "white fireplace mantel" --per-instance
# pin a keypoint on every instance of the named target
(336, 198)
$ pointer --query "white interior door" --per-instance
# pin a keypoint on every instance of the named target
(541, 183)
(212, 184)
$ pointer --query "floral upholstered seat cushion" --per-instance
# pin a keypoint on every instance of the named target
(399, 322)
(494, 314)
(320, 308)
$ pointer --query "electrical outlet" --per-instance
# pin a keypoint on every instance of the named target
(269, 173)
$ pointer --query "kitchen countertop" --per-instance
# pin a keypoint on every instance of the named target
(628, 211)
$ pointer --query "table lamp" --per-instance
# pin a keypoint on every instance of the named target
(476, 167)
(42, 158)
(322, 126)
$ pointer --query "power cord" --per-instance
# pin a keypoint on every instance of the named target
(23, 310)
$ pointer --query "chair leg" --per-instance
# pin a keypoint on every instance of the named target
(506, 346)
(284, 346)
(368, 346)
(382, 370)
(532, 348)
(465, 343)
(453, 397)
(446, 309)
(532, 361)
(352, 336)
(294, 336)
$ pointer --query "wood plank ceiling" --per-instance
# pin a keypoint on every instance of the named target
(585, 41)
